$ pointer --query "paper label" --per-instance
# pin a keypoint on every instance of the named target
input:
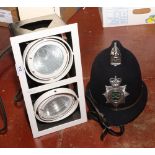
(116, 16)
(5, 16)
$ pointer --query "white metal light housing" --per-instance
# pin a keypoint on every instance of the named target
(48, 59)
(48, 64)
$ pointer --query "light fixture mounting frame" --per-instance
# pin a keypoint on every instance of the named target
(27, 92)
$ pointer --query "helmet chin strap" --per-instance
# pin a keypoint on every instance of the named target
(99, 117)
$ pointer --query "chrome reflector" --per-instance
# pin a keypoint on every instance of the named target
(55, 105)
(48, 59)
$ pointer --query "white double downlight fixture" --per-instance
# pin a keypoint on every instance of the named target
(48, 60)
(48, 63)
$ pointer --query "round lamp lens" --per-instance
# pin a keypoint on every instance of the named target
(57, 106)
(48, 59)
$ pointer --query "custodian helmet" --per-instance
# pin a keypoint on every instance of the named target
(116, 92)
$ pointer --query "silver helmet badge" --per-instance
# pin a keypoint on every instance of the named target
(115, 94)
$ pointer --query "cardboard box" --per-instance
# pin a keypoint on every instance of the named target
(24, 13)
(68, 12)
(8, 15)
(34, 12)
(112, 17)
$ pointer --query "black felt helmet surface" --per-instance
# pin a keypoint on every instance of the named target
(116, 87)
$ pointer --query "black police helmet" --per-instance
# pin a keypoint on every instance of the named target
(116, 87)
